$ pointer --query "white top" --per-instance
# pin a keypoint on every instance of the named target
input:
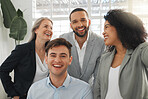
(113, 84)
(81, 52)
(42, 70)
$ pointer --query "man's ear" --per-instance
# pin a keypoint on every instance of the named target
(70, 60)
(70, 26)
(89, 22)
(46, 58)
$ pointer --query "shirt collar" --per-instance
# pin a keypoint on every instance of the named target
(67, 81)
(65, 84)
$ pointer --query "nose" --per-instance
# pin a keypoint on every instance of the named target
(103, 33)
(49, 29)
(57, 59)
(80, 24)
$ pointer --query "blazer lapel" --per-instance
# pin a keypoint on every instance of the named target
(33, 55)
(88, 52)
(106, 67)
(126, 59)
(75, 54)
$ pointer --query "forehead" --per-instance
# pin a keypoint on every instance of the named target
(78, 15)
(106, 22)
(59, 49)
(46, 21)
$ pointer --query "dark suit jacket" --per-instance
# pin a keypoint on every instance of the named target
(22, 61)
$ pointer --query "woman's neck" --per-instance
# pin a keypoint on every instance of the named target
(120, 50)
(39, 45)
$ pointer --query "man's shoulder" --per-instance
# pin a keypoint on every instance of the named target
(39, 84)
(79, 85)
(78, 82)
(65, 35)
(96, 36)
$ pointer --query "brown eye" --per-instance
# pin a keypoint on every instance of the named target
(83, 20)
(63, 56)
(46, 26)
(74, 22)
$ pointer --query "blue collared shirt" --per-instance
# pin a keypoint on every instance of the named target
(72, 88)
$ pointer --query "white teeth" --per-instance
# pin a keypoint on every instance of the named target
(57, 65)
(47, 34)
(81, 29)
(106, 37)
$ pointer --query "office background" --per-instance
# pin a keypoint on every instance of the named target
(58, 11)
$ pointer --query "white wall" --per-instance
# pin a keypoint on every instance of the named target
(6, 43)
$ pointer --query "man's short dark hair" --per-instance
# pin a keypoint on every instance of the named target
(58, 42)
(78, 9)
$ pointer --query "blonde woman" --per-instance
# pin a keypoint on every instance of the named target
(27, 61)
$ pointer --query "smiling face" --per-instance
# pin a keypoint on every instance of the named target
(44, 31)
(80, 23)
(58, 60)
(110, 35)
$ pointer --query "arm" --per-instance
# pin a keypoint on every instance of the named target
(144, 56)
(96, 85)
(29, 95)
(88, 93)
(96, 88)
(31, 92)
(7, 66)
(97, 64)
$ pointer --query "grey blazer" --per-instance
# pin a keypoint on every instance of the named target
(133, 77)
(94, 49)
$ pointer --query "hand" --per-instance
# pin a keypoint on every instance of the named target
(16, 97)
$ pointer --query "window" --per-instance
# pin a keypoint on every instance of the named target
(58, 11)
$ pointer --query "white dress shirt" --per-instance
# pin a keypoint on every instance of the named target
(81, 52)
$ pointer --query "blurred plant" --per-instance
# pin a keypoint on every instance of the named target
(14, 20)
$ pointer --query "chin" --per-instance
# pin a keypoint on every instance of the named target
(108, 44)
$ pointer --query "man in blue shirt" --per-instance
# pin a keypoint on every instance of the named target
(59, 85)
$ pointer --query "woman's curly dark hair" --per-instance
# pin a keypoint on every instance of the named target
(130, 29)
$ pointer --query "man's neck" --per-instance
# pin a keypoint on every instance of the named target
(81, 40)
(58, 81)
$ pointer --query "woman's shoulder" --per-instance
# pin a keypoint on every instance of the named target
(26, 45)
(23, 48)
(141, 47)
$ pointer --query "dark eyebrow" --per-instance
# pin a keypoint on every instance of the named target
(107, 24)
(73, 20)
(63, 54)
(60, 54)
(52, 53)
(83, 18)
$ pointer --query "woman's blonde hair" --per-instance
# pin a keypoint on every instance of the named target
(36, 25)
